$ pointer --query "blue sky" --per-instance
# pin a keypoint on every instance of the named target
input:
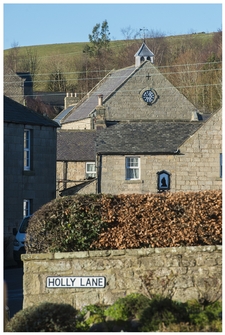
(28, 24)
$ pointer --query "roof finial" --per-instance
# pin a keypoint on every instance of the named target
(143, 32)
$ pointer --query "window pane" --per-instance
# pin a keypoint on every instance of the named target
(26, 158)
(132, 162)
(90, 170)
(26, 150)
(26, 207)
(132, 173)
(90, 167)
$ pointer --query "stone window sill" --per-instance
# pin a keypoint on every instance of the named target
(134, 181)
(28, 173)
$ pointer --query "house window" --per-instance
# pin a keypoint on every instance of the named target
(26, 147)
(90, 170)
(221, 165)
(26, 207)
(132, 168)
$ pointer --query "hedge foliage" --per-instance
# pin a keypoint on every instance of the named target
(132, 313)
(104, 221)
(66, 224)
(45, 317)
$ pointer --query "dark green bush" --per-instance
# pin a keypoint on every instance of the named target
(89, 315)
(128, 307)
(134, 312)
(163, 310)
(46, 317)
(64, 225)
(205, 314)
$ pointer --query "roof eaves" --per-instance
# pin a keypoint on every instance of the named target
(129, 153)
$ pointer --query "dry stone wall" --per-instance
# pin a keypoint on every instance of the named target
(182, 273)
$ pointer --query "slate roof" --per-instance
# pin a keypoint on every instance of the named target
(62, 114)
(106, 87)
(158, 137)
(17, 113)
(76, 145)
(144, 51)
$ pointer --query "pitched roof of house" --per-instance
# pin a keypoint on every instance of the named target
(76, 145)
(159, 137)
(17, 113)
(106, 87)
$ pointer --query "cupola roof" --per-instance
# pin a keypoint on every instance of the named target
(143, 54)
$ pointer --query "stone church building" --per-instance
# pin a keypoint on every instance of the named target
(136, 133)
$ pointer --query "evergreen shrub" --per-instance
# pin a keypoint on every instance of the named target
(64, 225)
(128, 307)
(45, 317)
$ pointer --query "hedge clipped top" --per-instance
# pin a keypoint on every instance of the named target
(103, 221)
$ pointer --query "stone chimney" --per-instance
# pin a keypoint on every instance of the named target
(100, 114)
(100, 99)
(70, 99)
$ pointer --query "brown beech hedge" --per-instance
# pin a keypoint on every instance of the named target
(103, 221)
(162, 220)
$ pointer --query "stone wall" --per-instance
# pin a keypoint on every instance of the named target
(127, 103)
(38, 184)
(70, 174)
(81, 124)
(182, 273)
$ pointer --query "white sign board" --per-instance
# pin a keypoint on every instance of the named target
(76, 282)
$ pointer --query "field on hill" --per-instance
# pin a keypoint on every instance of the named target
(193, 63)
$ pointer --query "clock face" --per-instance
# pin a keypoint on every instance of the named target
(148, 96)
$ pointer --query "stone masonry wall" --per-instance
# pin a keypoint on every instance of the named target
(196, 168)
(75, 172)
(127, 103)
(81, 124)
(182, 273)
(38, 184)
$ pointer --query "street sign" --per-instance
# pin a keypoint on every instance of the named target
(75, 282)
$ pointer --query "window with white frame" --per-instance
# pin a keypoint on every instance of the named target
(132, 168)
(26, 207)
(26, 147)
(221, 165)
(90, 170)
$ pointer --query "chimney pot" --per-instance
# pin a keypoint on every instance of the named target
(100, 99)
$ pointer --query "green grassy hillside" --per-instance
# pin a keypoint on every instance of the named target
(176, 56)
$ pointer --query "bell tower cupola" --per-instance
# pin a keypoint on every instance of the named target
(143, 54)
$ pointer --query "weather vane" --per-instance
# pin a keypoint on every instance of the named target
(143, 31)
